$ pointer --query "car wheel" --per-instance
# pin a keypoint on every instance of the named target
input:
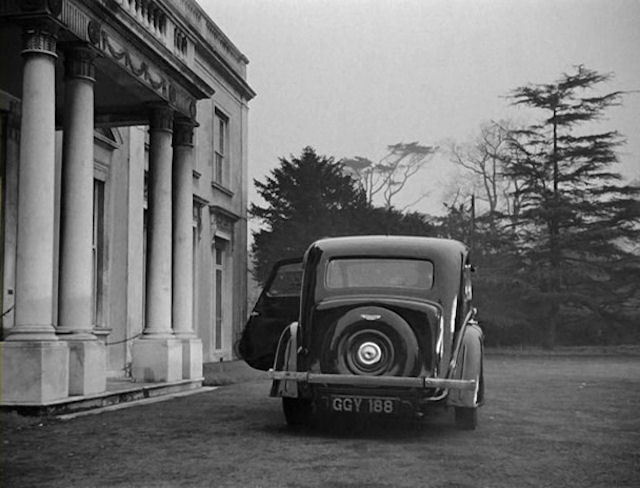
(466, 418)
(297, 411)
(372, 341)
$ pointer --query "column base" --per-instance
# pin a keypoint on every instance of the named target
(156, 360)
(87, 367)
(191, 359)
(34, 372)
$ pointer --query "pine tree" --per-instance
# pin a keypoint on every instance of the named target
(311, 197)
(307, 198)
(578, 222)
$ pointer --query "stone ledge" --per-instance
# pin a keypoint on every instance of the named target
(117, 392)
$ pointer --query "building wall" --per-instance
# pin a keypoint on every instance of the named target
(223, 219)
(120, 164)
(164, 65)
(124, 253)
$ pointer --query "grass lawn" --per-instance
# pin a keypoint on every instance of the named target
(556, 420)
(565, 420)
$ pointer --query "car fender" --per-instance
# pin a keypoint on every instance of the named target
(468, 366)
(286, 360)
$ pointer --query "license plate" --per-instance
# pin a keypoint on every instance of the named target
(363, 404)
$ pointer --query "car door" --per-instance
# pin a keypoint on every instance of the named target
(277, 306)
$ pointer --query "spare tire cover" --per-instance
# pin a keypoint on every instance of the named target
(370, 340)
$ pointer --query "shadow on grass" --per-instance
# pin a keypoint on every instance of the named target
(436, 425)
(230, 372)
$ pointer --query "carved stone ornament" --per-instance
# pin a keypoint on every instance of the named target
(221, 224)
(93, 31)
(224, 224)
(137, 67)
(79, 63)
(161, 119)
(38, 40)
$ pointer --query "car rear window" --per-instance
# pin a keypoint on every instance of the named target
(379, 273)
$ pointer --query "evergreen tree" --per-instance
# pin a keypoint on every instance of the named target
(307, 198)
(578, 221)
(310, 197)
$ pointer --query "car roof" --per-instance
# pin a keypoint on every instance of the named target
(401, 246)
(447, 255)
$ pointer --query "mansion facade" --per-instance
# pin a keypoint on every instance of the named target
(123, 161)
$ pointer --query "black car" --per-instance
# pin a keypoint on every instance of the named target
(376, 326)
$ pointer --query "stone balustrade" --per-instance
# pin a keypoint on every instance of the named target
(179, 25)
(157, 17)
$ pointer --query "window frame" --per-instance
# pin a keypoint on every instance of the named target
(221, 157)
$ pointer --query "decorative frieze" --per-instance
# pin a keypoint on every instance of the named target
(117, 50)
(138, 68)
(75, 20)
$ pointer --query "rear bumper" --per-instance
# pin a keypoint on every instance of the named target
(369, 381)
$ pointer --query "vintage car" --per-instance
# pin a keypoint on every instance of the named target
(375, 326)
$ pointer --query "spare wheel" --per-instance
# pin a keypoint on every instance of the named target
(373, 341)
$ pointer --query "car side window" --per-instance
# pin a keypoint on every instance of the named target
(466, 276)
(287, 281)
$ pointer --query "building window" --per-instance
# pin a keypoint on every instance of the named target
(195, 277)
(221, 149)
(98, 252)
(145, 226)
(219, 271)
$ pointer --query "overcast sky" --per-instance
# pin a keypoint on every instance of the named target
(349, 77)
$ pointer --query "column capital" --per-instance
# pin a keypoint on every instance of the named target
(79, 62)
(40, 38)
(161, 118)
(183, 130)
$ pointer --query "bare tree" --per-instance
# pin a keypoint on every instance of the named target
(485, 158)
(389, 176)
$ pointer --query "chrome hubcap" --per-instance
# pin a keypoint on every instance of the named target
(369, 353)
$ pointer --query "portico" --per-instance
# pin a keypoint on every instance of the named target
(86, 66)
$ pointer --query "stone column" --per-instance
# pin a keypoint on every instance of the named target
(183, 250)
(34, 363)
(157, 354)
(87, 360)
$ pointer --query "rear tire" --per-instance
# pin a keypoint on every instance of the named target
(466, 418)
(297, 411)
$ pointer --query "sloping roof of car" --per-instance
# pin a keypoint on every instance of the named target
(409, 246)
(447, 256)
